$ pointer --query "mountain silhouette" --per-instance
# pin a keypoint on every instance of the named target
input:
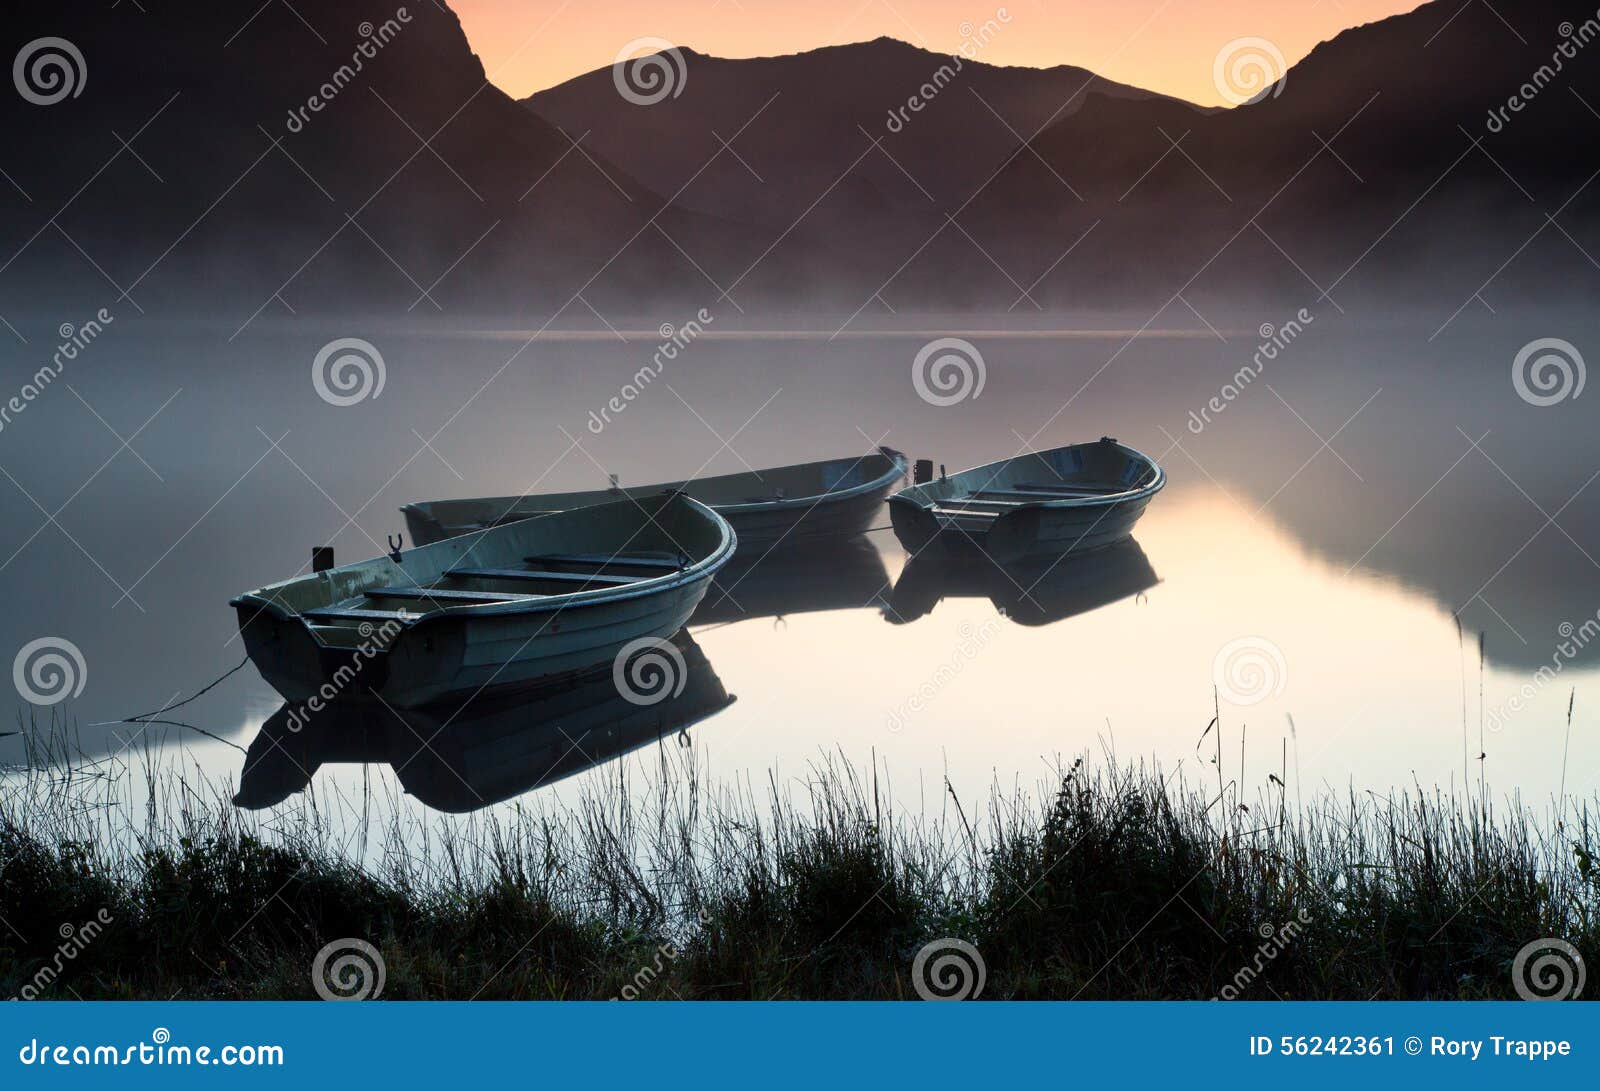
(414, 181)
(1373, 166)
(243, 157)
(806, 123)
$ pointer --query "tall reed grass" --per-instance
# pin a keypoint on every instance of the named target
(1115, 882)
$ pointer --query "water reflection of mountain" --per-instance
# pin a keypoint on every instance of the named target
(1037, 593)
(847, 574)
(1468, 527)
(467, 757)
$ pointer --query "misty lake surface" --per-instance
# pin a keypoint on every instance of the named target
(1333, 549)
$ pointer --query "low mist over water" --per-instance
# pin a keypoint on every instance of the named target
(1352, 512)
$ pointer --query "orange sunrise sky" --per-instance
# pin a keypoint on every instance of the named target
(1162, 45)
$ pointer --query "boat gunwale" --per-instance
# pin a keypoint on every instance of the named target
(704, 568)
(1142, 492)
(899, 466)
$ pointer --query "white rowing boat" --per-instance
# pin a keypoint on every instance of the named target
(1067, 500)
(836, 497)
(492, 610)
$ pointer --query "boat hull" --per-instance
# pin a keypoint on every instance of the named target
(932, 517)
(1020, 535)
(454, 658)
(303, 635)
(836, 498)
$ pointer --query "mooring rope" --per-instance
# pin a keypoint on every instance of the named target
(145, 717)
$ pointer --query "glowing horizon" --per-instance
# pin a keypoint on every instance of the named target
(530, 45)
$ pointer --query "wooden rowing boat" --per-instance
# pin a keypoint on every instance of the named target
(767, 508)
(1033, 592)
(464, 757)
(492, 610)
(1068, 500)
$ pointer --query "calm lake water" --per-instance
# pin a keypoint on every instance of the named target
(1306, 563)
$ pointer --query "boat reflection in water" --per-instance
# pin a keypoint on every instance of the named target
(464, 757)
(1030, 593)
(831, 574)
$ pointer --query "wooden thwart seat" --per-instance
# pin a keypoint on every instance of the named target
(1064, 486)
(1038, 496)
(353, 614)
(975, 503)
(541, 575)
(428, 598)
(602, 560)
(434, 594)
(940, 509)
